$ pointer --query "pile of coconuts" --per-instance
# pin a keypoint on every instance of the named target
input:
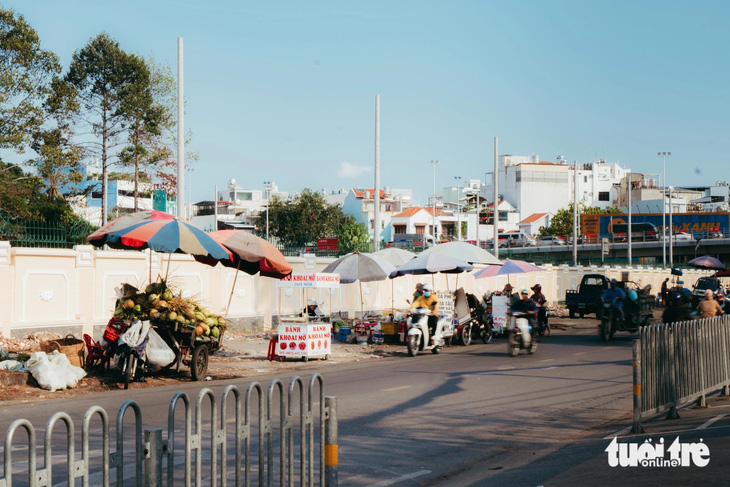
(159, 304)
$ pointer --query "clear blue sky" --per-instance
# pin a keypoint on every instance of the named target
(285, 90)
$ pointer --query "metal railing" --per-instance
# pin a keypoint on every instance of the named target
(678, 363)
(234, 442)
(47, 234)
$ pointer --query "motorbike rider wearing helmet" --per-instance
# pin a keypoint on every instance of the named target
(539, 298)
(615, 295)
(430, 301)
(709, 307)
(677, 309)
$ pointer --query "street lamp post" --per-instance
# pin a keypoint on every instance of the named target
(671, 250)
(268, 187)
(433, 202)
(458, 205)
(664, 205)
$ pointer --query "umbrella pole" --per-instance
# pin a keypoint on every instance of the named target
(233, 287)
(362, 310)
(169, 258)
(392, 298)
(150, 266)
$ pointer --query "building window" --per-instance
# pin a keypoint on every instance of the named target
(503, 216)
(585, 179)
(420, 228)
(603, 196)
(399, 228)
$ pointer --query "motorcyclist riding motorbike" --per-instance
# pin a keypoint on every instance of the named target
(528, 306)
(615, 296)
(539, 298)
(430, 301)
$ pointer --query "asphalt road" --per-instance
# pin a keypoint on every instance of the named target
(468, 416)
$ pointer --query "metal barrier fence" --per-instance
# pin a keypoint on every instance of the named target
(675, 364)
(168, 460)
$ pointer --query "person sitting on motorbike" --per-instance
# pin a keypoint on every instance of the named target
(540, 300)
(525, 305)
(677, 310)
(709, 307)
(418, 292)
(430, 301)
(615, 296)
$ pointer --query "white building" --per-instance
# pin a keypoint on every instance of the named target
(596, 182)
(360, 203)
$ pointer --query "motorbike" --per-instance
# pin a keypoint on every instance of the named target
(542, 321)
(418, 337)
(520, 335)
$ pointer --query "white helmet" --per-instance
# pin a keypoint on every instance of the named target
(428, 287)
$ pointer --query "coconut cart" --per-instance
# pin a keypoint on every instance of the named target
(156, 330)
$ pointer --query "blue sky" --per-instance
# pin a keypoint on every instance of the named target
(285, 90)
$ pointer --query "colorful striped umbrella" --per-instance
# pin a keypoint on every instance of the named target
(508, 267)
(98, 238)
(250, 253)
(169, 236)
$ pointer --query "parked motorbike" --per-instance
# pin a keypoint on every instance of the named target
(520, 335)
(481, 328)
(419, 338)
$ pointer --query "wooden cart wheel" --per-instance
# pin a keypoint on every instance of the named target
(199, 362)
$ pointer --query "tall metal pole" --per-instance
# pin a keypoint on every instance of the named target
(458, 206)
(180, 133)
(433, 202)
(575, 213)
(664, 206)
(268, 188)
(215, 209)
(671, 250)
(628, 238)
(376, 196)
(495, 214)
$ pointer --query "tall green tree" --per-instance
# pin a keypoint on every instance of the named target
(105, 78)
(353, 236)
(26, 75)
(562, 222)
(303, 220)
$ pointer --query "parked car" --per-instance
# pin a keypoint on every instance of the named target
(521, 240)
(581, 240)
(702, 285)
(587, 298)
(682, 236)
(715, 234)
(551, 240)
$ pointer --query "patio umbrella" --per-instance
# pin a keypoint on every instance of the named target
(249, 253)
(99, 237)
(507, 268)
(397, 257)
(361, 267)
(706, 262)
(433, 263)
(464, 251)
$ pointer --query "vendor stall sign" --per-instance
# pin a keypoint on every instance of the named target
(319, 280)
(446, 304)
(500, 306)
(304, 340)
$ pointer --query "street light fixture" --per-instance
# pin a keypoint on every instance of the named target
(671, 250)
(268, 188)
(458, 205)
(664, 206)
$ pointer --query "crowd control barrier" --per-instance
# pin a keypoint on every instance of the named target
(275, 436)
(679, 363)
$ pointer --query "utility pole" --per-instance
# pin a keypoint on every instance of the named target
(180, 133)
(671, 229)
(628, 238)
(664, 206)
(433, 202)
(575, 213)
(495, 213)
(458, 206)
(376, 191)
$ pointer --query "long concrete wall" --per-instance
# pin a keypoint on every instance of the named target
(73, 291)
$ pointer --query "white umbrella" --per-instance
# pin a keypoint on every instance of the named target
(464, 251)
(397, 257)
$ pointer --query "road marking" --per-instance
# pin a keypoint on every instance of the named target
(402, 478)
(547, 360)
(548, 368)
(505, 367)
(618, 433)
(579, 353)
(396, 388)
(716, 418)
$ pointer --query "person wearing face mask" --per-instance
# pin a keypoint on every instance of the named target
(430, 301)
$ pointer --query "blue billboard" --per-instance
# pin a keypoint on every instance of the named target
(698, 224)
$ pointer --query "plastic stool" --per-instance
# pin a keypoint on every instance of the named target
(273, 344)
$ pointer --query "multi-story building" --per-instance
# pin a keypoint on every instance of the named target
(360, 203)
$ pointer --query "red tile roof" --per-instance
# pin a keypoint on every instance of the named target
(360, 193)
(415, 209)
(533, 218)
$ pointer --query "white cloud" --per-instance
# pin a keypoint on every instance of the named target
(348, 170)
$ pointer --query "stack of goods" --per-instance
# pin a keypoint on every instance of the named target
(165, 308)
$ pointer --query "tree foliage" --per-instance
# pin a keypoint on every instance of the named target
(562, 222)
(353, 237)
(26, 75)
(303, 220)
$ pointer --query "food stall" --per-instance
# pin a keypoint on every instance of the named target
(301, 338)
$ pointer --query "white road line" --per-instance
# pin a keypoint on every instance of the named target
(716, 418)
(396, 388)
(579, 353)
(548, 368)
(547, 360)
(618, 433)
(402, 478)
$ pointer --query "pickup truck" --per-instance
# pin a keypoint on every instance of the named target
(587, 298)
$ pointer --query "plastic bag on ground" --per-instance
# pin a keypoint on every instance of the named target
(158, 352)
(12, 366)
(53, 371)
